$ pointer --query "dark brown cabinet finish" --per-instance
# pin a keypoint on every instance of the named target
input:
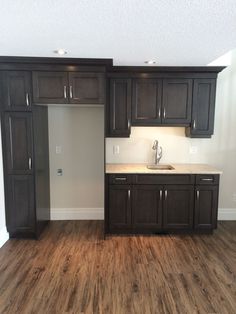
(19, 142)
(178, 207)
(206, 203)
(147, 207)
(120, 107)
(177, 101)
(119, 207)
(16, 90)
(50, 87)
(203, 108)
(86, 88)
(146, 101)
(20, 202)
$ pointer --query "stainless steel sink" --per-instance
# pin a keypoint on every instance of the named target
(160, 167)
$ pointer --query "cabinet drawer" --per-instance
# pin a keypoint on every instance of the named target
(164, 179)
(120, 179)
(207, 179)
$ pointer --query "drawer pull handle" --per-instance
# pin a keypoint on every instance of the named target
(30, 163)
(159, 113)
(128, 195)
(65, 92)
(207, 179)
(120, 179)
(71, 92)
(27, 99)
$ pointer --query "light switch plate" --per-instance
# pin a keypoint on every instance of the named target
(193, 149)
(116, 149)
(58, 149)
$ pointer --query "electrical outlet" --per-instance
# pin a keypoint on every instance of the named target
(59, 172)
(193, 149)
(116, 149)
(58, 149)
(234, 197)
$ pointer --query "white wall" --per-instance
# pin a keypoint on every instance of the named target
(79, 193)
(219, 151)
(3, 232)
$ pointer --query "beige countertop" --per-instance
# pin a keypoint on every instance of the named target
(178, 169)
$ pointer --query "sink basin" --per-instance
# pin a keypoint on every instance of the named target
(160, 167)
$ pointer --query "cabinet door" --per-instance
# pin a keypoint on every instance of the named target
(147, 207)
(50, 87)
(177, 101)
(120, 107)
(203, 108)
(20, 204)
(17, 90)
(86, 88)
(146, 102)
(206, 205)
(178, 207)
(119, 207)
(18, 142)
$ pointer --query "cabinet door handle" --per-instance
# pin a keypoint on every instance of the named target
(65, 92)
(129, 124)
(197, 194)
(27, 99)
(160, 195)
(159, 113)
(166, 195)
(128, 195)
(30, 163)
(164, 113)
(194, 124)
(71, 92)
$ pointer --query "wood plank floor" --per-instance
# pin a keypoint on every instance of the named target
(73, 270)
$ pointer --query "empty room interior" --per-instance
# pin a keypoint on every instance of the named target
(117, 157)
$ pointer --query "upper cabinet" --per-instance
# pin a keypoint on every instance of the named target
(50, 87)
(203, 108)
(16, 90)
(177, 101)
(146, 101)
(72, 87)
(120, 107)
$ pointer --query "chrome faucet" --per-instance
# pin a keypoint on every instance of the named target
(158, 152)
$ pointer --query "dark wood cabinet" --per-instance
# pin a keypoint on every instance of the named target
(147, 207)
(206, 203)
(203, 108)
(19, 142)
(120, 107)
(86, 88)
(20, 201)
(147, 102)
(50, 87)
(177, 101)
(68, 87)
(16, 90)
(119, 207)
(178, 207)
(145, 203)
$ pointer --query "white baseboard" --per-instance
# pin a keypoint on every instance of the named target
(77, 213)
(4, 236)
(227, 214)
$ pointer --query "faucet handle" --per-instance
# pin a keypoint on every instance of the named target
(160, 151)
(155, 145)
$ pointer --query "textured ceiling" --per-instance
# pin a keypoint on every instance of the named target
(174, 32)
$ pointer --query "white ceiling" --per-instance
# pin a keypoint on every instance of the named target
(174, 32)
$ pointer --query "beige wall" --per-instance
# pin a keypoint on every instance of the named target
(80, 133)
(2, 204)
(219, 151)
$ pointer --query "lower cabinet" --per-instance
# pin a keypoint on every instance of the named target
(21, 213)
(206, 205)
(157, 208)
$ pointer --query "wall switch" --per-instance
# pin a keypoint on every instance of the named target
(58, 149)
(59, 172)
(193, 149)
(234, 197)
(116, 149)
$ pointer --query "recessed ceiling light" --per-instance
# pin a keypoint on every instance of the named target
(150, 62)
(60, 52)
